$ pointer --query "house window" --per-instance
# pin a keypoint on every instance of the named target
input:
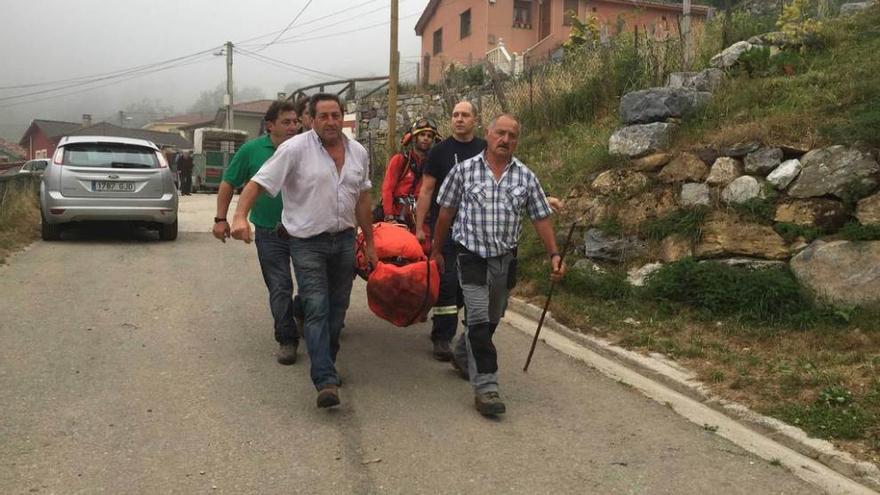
(569, 9)
(522, 14)
(465, 23)
(438, 41)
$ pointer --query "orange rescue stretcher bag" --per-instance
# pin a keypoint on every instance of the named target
(405, 285)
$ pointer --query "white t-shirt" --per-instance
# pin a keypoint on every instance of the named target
(316, 199)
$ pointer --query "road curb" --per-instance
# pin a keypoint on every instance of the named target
(668, 373)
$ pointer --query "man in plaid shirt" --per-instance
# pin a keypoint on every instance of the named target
(487, 195)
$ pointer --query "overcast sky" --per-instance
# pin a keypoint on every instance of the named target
(50, 40)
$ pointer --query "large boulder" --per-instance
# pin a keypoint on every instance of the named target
(834, 170)
(633, 212)
(599, 245)
(725, 235)
(622, 183)
(739, 150)
(694, 194)
(742, 190)
(659, 104)
(730, 55)
(636, 141)
(652, 162)
(776, 38)
(785, 173)
(685, 167)
(763, 161)
(854, 7)
(827, 214)
(706, 80)
(724, 171)
(841, 272)
(868, 210)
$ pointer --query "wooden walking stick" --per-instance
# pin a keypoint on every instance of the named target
(549, 297)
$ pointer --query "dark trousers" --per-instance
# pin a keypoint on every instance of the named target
(449, 300)
(324, 268)
(186, 182)
(274, 255)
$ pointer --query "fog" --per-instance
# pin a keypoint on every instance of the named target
(168, 52)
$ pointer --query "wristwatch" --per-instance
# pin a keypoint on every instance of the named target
(219, 219)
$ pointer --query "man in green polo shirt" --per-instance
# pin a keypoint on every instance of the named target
(273, 250)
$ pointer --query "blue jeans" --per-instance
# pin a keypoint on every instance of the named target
(324, 267)
(274, 255)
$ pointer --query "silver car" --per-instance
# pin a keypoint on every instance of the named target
(101, 178)
(34, 167)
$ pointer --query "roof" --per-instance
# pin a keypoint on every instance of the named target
(256, 106)
(161, 139)
(106, 139)
(431, 8)
(185, 119)
(12, 149)
(51, 128)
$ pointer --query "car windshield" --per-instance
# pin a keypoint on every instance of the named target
(109, 155)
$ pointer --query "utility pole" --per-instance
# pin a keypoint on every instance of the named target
(392, 82)
(229, 113)
(121, 118)
(686, 33)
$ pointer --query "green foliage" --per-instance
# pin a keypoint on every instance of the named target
(854, 231)
(606, 286)
(797, 24)
(791, 231)
(686, 222)
(760, 210)
(610, 226)
(834, 414)
(457, 76)
(583, 33)
(769, 295)
(756, 62)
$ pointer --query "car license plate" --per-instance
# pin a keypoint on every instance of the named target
(106, 185)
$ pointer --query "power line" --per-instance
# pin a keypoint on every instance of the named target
(310, 21)
(107, 75)
(288, 64)
(373, 26)
(300, 13)
(342, 21)
(123, 79)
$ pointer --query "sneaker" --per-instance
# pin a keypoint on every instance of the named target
(442, 352)
(287, 353)
(489, 404)
(461, 369)
(328, 396)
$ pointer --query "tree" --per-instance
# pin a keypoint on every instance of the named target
(211, 100)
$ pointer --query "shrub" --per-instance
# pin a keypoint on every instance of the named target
(791, 231)
(606, 286)
(687, 222)
(854, 231)
(769, 295)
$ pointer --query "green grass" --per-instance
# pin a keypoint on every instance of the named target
(833, 96)
(854, 231)
(789, 232)
(686, 222)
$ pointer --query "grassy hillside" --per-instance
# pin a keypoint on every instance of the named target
(753, 337)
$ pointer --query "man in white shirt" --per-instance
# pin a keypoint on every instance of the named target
(324, 181)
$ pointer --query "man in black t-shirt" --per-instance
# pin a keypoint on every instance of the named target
(441, 158)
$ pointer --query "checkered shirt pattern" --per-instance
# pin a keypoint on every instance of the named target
(489, 217)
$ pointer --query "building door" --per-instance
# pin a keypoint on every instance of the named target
(544, 26)
(426, 70)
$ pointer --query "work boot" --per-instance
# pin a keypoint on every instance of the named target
(328, 396)
(442, 352)
(462, 369)
(287, 353)
(489, 404)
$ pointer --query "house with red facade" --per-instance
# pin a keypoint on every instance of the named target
(41, 138)
(464, 32)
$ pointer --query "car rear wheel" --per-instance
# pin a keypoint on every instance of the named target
(168, 231)
(48, 231)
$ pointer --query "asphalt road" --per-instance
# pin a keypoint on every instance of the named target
(129, 365)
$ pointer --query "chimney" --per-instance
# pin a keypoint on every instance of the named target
(87, 120)
(282, 95)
